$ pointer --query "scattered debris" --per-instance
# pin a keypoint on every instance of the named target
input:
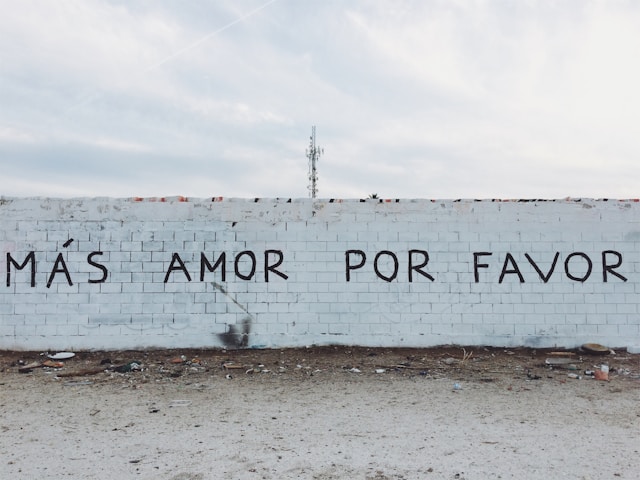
(28, 368)
(129, 367)
(62, 356)
(532, 376)
(233, 366)
(602, 373)
(486, 365)
(81, 373)
(465, 357)
(596, 349)
(562, 362)
(52, 364)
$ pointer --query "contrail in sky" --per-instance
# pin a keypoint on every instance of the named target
(167, 59)
(208, 36)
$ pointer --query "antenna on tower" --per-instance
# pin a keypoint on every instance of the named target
(313, 154)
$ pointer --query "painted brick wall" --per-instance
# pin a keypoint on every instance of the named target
(109, 273)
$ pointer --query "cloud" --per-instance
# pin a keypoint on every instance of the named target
(410, 98)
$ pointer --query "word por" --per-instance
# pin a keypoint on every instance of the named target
(388, 255)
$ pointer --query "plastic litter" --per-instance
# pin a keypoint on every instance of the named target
(602, 373)
(129, 367)
(62, 356)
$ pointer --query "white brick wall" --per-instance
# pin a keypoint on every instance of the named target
(118, 298)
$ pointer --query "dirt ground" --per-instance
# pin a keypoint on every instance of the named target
(320, 413)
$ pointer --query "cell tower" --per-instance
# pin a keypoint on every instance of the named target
(313, 154)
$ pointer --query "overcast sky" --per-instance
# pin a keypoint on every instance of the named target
(410, 99)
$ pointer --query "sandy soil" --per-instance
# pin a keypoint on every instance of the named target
(320, 413)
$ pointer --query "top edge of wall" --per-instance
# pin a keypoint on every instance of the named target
(182, 199)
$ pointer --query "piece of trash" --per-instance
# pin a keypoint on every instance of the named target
(457, 386)
(228, 377)
(128, 367)
(355, 370)
(595, 348)
(559, 362)
(600, 375)
(180, 403)
(380, 370)
(52, 364)
(62, 356)
(574, 375)
(532, 376)
(79, 373)
(28, 368)
(233, 366)
(78, 383)
(181, 359)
